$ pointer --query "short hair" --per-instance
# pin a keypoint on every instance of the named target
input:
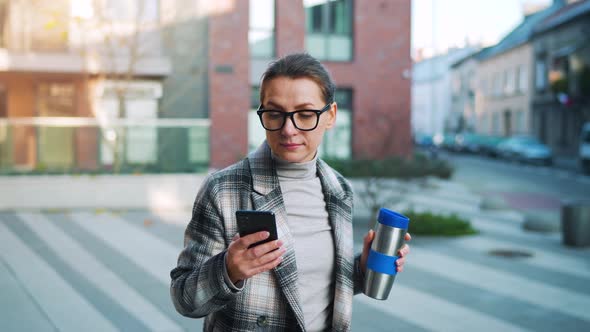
(300, 65)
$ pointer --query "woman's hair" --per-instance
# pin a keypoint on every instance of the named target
(300, 65)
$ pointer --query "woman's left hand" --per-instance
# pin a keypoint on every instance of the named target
(402, 253)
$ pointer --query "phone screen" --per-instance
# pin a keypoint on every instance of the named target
(250, 221)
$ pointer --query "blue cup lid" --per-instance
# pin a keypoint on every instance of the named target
(393, 219)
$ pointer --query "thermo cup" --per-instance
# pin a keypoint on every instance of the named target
(381, 268)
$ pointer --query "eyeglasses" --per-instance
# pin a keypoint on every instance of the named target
(305, 120)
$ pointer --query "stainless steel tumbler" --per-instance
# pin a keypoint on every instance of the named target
(381, 268)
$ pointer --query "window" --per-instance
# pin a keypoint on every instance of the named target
(509, 86)
(496, 123)
(256, 134)
(56, 144)
(483, 84)
(261, 36)
(130, 10)
(522, 80)
(497, 85)
(337, 140)
(520, 122)
(540, 74)
(328, 26)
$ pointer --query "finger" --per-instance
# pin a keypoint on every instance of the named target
(400, 262)
(247, 240)
(368, 238)
(404, 251)
(267, 266)
(271, 256)
(262, 249)
(399, 269)
(408, 237)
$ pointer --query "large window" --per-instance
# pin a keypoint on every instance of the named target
(261, 36)
(540, 74)
(337, 140)
(56, 144)
(522, 80)
(328, 25)
(256, 134)
(509, 84)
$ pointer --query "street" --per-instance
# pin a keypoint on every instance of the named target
(488, 175)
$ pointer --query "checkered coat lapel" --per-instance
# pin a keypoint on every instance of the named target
(266, 195)
(338, 196)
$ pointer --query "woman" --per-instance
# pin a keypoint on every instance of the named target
(305, 280)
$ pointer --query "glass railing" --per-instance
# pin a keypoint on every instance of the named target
(54, 145)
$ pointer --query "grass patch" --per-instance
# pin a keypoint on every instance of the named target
(427, 223)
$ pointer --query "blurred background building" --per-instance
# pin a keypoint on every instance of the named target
(149, 85)
(534, 82)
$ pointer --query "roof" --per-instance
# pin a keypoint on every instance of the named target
(464, 59)
(564, 15)
(521, 34)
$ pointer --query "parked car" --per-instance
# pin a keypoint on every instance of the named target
(423, 140)
(525, 149)
(584, 150)
(468, 142)
(489, 145)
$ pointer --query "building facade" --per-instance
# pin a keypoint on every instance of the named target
(63, 87)
(432, 94)
(462, 116)
(561, 99)
(505, 92)
(190, 95)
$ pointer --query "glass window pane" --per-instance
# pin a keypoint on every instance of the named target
(262, 14)
(142, 141)
(261, 43)
(199, 144)
(340, 48)
(315, 44)
(329, 29)
(340, 20)
(256, 133)
(337, 141)
(56, 147)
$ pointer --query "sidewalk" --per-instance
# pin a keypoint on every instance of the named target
(114, 283)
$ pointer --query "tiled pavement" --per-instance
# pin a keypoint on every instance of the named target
(107, 271)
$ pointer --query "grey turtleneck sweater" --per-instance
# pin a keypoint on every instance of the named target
(308, 222)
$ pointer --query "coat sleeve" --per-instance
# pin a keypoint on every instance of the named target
(198, 285)
(358, 275)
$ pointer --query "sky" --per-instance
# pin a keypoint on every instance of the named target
(456, 21)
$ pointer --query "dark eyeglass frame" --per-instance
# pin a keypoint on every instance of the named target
(261, 111)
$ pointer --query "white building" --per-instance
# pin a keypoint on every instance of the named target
(431, 91)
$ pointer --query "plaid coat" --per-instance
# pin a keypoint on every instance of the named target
(269, 301)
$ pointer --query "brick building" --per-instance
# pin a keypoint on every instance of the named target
(211, 55)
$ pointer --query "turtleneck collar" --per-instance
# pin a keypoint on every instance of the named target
(296, 171)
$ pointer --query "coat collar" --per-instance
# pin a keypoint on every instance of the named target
(265, 179)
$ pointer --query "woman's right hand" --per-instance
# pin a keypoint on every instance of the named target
(243, 263)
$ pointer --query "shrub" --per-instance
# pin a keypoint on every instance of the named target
(393, 167)
(427, 223)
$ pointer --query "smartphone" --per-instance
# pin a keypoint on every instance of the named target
(250, 221)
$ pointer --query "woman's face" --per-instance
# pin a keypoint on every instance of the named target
(287, 95)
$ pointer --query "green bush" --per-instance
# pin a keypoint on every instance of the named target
(393, 167)
(427, 223)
